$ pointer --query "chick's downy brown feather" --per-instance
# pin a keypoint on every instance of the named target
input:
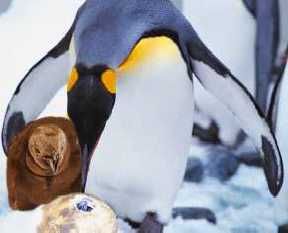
(43, 162)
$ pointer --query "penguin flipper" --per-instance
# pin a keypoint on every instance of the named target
(219, 81)
(37, 88)
(33, 93)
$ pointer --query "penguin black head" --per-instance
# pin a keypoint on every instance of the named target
(91, 97)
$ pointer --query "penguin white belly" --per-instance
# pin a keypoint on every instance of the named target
(140, 160)
(282, 138)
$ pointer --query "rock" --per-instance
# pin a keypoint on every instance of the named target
(80, 213)
(194, 170)
(283, 229)
(195, 213)
(250, 158)
(221, 164)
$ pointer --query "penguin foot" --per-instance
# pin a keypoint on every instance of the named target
(151, 225)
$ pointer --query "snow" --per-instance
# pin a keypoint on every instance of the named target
(28, 30)
(243, 203)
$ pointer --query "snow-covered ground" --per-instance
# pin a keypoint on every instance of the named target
(28, 30)
(242, 205)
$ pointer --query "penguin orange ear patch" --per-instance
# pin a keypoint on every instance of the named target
(109, 80)
(73, 79)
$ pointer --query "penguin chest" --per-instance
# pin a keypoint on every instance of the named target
(145, 143)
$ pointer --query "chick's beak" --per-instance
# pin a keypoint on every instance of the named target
(53, 163)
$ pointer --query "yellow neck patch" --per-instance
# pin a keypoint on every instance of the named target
(148, 48)
(155, 47)
(73, 79)
(109, 80)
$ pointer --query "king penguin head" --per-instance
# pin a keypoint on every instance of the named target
(91, 97)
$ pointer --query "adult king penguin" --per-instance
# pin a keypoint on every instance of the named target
(145, 52)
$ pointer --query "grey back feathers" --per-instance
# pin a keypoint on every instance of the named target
(108, 30)
(116, 27)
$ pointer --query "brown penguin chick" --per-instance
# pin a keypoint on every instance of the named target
(43, 162)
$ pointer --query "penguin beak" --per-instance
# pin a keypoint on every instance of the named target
(90, 103)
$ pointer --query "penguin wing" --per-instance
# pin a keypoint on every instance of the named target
(38, 87)
(219, 81)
